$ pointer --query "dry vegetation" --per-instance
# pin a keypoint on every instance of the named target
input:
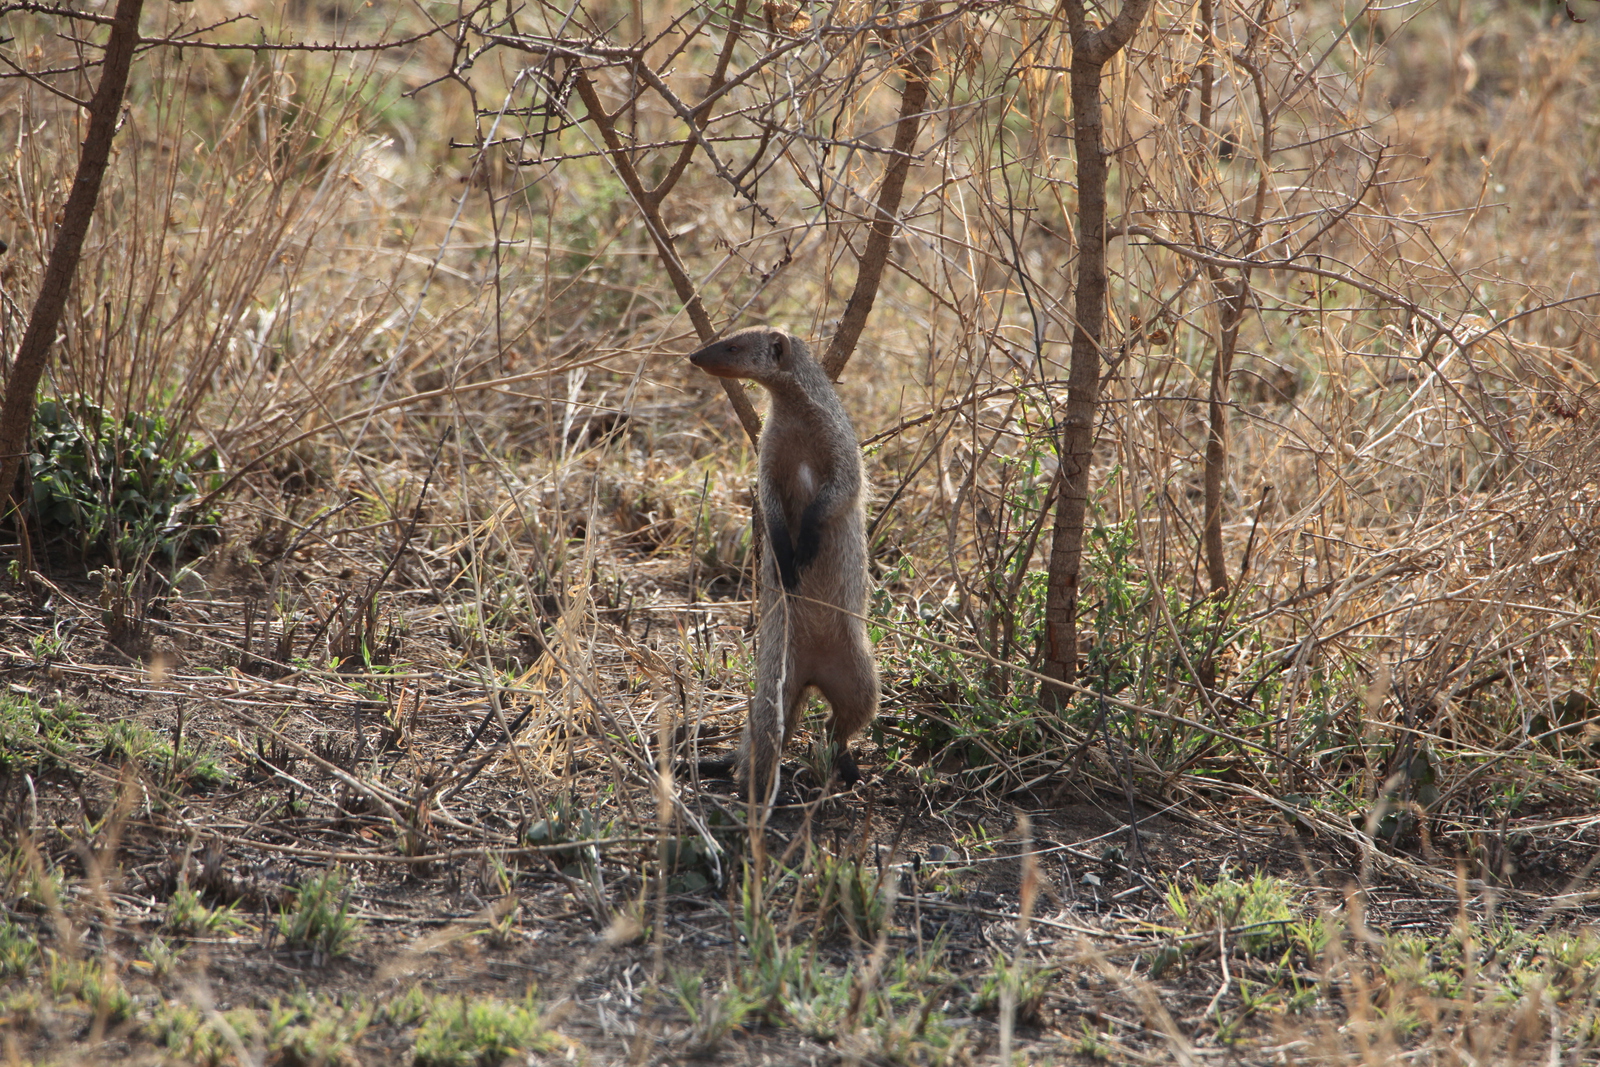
(392, 762)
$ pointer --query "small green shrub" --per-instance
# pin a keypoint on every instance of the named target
(19, 950)
(406, 1010)
(1261, 903)
(160, 959)
(1508, 963)
(91, 982)
(35, 738)
(978, 711)
(125, 488)
(28, 884)
(881, 1012)
(125, 741)
(986, 713)
(1133, 651)
(712, 1015)
(850, 896)
(315, 1031)
(320, 917)
(189, 916)
(893, 1019)
(188, 769)
(478, 1032)
(192, 1038)
(1024, 980)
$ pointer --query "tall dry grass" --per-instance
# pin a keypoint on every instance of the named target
(293, 258)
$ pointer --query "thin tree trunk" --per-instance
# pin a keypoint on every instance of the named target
(1235, 292)
(885, 221)
(1091, 50)
(1222, 366)
(1235, 295)
(105, 108)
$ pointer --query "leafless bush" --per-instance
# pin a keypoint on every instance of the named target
(1309, 393)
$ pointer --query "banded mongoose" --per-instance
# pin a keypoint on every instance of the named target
(812, 584)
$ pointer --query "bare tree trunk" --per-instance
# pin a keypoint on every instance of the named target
(885, 221)
(1091, 50)
(1235, 293)
(105, 108)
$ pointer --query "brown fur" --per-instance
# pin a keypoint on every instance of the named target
(813, 577)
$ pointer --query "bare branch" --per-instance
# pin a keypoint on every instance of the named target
(687, 292)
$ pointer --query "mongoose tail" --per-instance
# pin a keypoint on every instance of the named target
(813, 576)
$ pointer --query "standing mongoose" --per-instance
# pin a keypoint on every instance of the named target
(812, 585)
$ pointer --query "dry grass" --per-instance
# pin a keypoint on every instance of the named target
(484, 572)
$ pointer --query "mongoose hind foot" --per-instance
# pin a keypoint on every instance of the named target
(845, 768)
(721, 767)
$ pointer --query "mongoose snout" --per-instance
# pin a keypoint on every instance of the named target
(812, 583)
(722, 358)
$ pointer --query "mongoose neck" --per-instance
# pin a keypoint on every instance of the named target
(807, 389)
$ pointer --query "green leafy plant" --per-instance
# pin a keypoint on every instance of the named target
(314, 1030)
(35, 738)
(19, 949)
(1554, 966)
(712, 1015)
(160, 958)
(850, 896)
(29, 884)
(960, 664)
(478, 1032)
(406, 1010)
(184, 769)
(1260, 904)
(1090, 1044)
(92, 982)
(1025, 981)
(45, 647)
(776, 965)
(126, 488)
(888, 1017)
(188, 915)
(1135, 650)
(688, 862)
(193, 1036)
(320, 918)
(986, 712)
(884, 1011)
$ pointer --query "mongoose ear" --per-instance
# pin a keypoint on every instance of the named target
(782, 347)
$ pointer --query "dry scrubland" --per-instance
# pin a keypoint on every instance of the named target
(259, 803)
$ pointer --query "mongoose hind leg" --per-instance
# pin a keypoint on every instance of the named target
(851, 688)
(773, 709)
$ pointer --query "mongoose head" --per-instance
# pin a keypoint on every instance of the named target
(759, 353)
